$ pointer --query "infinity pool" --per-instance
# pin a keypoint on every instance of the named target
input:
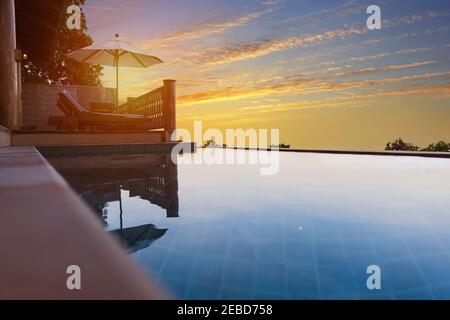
(308, 232)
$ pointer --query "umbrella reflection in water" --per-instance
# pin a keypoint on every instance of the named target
(101, 179)
(139, 237)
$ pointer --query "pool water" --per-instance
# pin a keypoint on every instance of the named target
(308, 232)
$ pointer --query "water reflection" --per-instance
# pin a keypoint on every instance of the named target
(100, 180)
(309, 232)
(140, 237)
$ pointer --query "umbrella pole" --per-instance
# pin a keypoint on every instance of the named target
(116, 58)
(120, 207)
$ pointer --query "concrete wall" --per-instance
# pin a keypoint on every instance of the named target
(9, 115)
(39, 101)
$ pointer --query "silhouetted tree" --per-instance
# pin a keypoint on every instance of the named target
(440, 146)
(400, 145)
(210, 143)
(280, 146)
(58, 68)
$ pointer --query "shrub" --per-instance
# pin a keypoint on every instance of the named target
(440, 146)
(400, 145)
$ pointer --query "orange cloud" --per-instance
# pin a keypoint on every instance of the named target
(348, 100)
(385, 68)
(443, 89)
(244, 91)
(345, 101)
(292, 85)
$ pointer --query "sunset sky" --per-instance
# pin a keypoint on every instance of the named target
(308, 68)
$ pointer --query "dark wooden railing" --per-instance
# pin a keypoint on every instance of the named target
(158, 107)
(152, 177)
(150, 105)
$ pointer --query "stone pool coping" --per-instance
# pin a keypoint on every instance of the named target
(46, 227)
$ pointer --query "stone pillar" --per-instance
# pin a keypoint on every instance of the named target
(9, 95)
(170, 117)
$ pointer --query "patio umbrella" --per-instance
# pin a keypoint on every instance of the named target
(115, 52)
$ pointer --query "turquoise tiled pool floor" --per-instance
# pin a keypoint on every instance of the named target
(209, 266)
(309, 232)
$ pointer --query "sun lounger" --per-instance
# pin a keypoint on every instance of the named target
(78, 118)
